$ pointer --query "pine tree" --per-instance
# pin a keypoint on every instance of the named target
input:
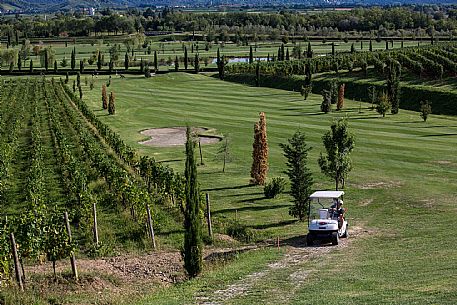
(425, 110)
(326, 105)
(104, 97)
(126, 61)
(186, 59)
(383, 104)
(259, 166)
(301, 180)
(340, 103)
(251, 55)
(193, 247)
(111, 104)
(338, 143)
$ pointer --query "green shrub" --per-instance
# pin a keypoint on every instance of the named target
(275, 187)
(241, 232)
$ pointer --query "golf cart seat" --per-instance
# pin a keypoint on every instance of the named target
(323, 214)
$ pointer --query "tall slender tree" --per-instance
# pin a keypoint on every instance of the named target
(186, 59)
(259, 168)
(156, 62)
(193, 247)
(251, 55)
(99, 60)
(73, 59)
(176, 64)
(19, 62)
(104, 97)
(31, 66)
(340, 103)
(111, 104)
(46, 60)
(309, 52)
(126, 61)
(197, 63)
(301, 180)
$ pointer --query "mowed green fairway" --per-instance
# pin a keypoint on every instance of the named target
(403, 188)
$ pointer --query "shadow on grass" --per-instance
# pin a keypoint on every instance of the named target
(273, 225)
(253, 199)
(305, 114)
(251, 208)
(228, 188)
(171, 160)
(365, 117)
(439, 135)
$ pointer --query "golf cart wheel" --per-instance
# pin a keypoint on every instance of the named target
(345, 234)
(309, 240)
(335, 238)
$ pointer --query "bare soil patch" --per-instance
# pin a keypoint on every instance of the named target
(176, 136)
(379, 185)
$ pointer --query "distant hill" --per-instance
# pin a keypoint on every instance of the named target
(59, 5)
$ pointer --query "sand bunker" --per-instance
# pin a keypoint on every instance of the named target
(175, 136)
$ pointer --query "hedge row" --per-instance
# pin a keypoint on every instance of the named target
(443, 102)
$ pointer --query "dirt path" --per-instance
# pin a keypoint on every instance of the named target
(291, 265)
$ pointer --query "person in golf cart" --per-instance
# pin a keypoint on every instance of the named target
(337, 211)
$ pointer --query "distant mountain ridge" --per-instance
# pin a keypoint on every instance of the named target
(57, 5)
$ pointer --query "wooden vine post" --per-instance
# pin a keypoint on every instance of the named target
(72, 255)
(151, 229)
(208, 216)
(16, 262)
(94, 208)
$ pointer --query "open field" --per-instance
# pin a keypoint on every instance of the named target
(402, 189)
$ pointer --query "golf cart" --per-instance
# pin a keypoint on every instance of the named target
(326, 220)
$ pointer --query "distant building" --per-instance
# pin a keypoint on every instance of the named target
(91, 11)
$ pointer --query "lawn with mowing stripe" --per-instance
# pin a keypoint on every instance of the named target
(402, 189)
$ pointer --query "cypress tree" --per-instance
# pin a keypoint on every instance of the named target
(309, 52)
(326, 105)
(111, 104)
(251, 55)
(186, 60)
(220, 64)
(259, 166)
(81, 66)
(340, 103)
(110, 66)
(73, 59)
(361, 44)
(142, 66)
(126, 61)
(287, 54)
(19, 63)
(156, 62)
(31, 66)
(74, 86)
(55, 66)
(197, 63)
(301, 180)
(352, 48)
(66, 78)
(257, 74)
(78, 79)
(80, 92)
(371, 46)
(333, 49)
(176, 64)
(192, 253)
(104, 97)
(99, 61)
(283, 52)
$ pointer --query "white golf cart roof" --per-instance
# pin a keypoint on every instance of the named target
(326, 194)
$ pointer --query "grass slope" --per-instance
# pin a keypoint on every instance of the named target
(402, 187)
